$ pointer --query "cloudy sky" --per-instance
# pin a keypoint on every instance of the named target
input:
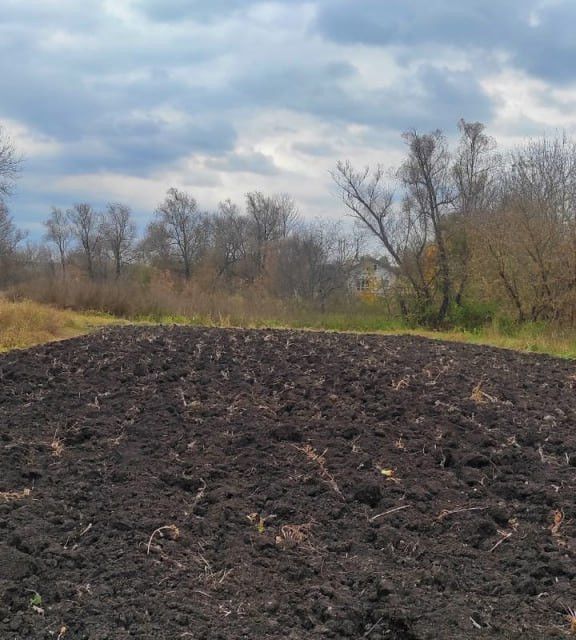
(121, 99)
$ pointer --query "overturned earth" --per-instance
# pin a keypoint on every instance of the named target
(209, 484)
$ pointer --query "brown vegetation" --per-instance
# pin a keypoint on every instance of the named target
(461, 236)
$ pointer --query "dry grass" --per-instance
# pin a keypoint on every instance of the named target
(320, 460)
(480, 396)
(571, 619)
(161, 301)
(10, 496)
(57, 445)
(24, 324)
(295, 534)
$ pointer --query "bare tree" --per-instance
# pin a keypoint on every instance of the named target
(314, 263)
(10, 235)
(10, 238)
(156, 246)
(59, 233)
(370, 200)
(10, 163)
(230, 232)
(473, 168)
(119, 234)
(401, 232)
(185, 226)
(271, 218)
(426, 177)
(531, 235)
(474, 173)
(85, 224)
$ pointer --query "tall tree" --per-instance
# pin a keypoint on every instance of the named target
(10, 163)
(10, 238)
(474, 172)
(185, 226)
(426, 177)
(119, 234)
(85, 223)
(59, 233)
(402, 235)
(271, 218)
(10, 235)
(230, 231)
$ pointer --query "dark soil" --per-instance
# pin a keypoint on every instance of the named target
(315, 486)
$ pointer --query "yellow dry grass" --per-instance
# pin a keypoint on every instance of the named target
(24, 324)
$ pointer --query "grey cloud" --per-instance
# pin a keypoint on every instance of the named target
(314, 148)
(197, 10)
(429, 98)
(207, 11)
(256, 162)
(35, 15)
(545, 48)
(99, 87)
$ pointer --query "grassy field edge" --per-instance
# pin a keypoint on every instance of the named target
(25, 323)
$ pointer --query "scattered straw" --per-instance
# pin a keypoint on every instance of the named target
(571, 620)
(479, 396)
(445, 512)
(57, 445)
(296, 533)
(558, 517)
(385, 513)
(172, 531)
(320, 460)
(10, 496)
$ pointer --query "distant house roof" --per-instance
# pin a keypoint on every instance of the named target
(370, 276)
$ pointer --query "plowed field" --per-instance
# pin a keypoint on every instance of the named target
(211, 484)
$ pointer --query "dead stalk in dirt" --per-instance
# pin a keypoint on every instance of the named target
(62, 633)
(182, 398)
(403, 383)
(175, 534)
(296, 533)
(57, 445)
(385, 513)
(558, 517)
(475, 624)
(9, 496)
(572, 620)
(374, 626)
(445, 512)
(211, 577)
(504, 537)
(513, 522)
(320, 460)
(479, 396)
(199, 495)
(355, 447)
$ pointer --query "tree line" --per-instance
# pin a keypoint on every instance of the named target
(472, 226)
(267, 244)
(464, 231)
